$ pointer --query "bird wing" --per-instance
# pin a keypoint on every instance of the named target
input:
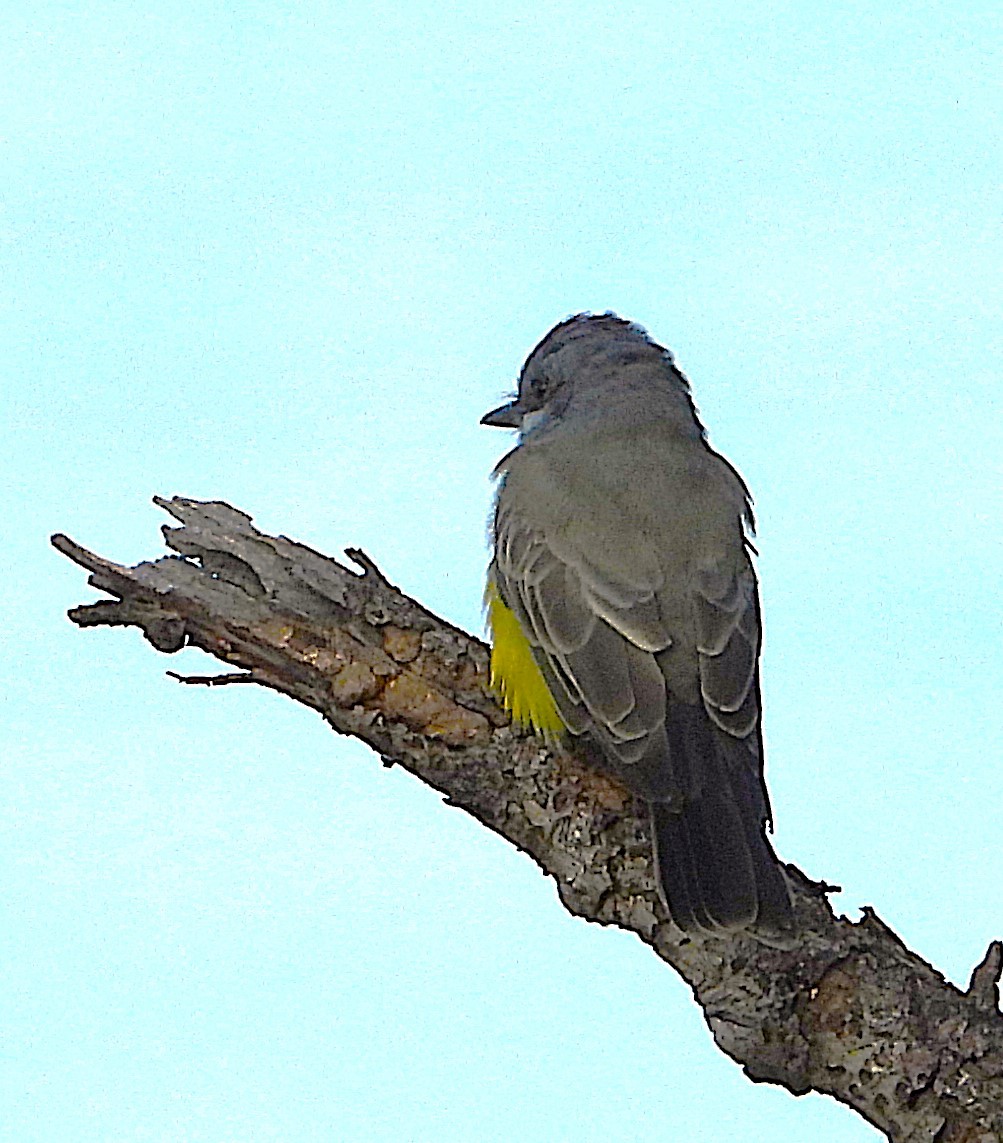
(600, 638)
(728, 632)
(595, 635)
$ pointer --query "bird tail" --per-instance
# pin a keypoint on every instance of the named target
(717, 869)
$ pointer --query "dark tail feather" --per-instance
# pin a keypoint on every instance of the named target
(716, 866)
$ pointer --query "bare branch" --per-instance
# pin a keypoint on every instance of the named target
(212, 680)
(850, 1011)
(984, 986)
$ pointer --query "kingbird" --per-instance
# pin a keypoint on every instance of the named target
(623, 606)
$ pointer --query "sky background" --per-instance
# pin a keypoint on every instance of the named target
(286, 255)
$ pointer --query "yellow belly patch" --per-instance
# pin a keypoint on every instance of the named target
(515, 677)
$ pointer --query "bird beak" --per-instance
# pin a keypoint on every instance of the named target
(506, 417)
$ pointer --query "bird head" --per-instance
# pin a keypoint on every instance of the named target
(590, 367)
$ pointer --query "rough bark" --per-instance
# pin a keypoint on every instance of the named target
(850, 1011)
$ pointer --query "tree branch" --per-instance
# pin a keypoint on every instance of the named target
(850, 1011)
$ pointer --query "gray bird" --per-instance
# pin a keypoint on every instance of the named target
(624, 607)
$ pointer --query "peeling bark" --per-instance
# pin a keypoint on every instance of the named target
(849, 1011)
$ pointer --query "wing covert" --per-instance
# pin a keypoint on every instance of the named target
(728, 629)
(594, 638)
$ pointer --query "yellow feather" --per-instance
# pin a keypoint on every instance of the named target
(515, 677)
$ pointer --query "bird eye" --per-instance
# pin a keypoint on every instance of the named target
(539, 388)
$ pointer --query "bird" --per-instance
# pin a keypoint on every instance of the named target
(623, 607)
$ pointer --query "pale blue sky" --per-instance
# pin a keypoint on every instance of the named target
(286, 256)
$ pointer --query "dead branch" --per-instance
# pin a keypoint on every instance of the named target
(850, 1011)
